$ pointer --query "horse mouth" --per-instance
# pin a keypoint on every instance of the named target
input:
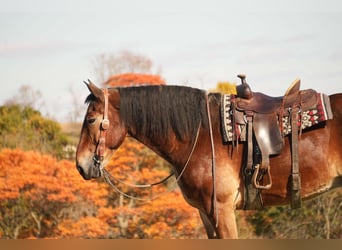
(90, 173)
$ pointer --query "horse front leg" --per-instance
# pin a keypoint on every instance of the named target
(222, 226)
(226, 226)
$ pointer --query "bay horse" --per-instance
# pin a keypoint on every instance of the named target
(173, 121)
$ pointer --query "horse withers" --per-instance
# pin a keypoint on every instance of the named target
(182, 125)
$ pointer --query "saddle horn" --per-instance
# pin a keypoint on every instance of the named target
(243, 90)
(243, 78)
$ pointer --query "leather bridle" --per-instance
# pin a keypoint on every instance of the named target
(101, 144)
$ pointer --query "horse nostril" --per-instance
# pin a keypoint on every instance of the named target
(82, 172)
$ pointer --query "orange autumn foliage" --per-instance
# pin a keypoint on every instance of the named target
(85, 227)
(38, 192)
(134, 79)
(35, 176)
(42, 197)
(167, 215)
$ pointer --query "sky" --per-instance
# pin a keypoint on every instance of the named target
(49, 45)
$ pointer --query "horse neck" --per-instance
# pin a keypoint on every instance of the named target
(170, 148)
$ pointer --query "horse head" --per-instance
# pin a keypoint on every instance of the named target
(102, 131)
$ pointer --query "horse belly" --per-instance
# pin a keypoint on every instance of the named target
(316, 172)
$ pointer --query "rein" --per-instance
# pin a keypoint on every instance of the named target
(99, 157)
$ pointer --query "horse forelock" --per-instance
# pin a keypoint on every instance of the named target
(155, 111)
(90, 98)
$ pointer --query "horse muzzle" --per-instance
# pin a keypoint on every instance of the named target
(89, 171)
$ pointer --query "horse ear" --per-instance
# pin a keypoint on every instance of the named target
(97, 92)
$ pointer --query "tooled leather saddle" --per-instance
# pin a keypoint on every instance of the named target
(263, 117)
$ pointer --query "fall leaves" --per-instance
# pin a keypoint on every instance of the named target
(37, 190)
(46, 198)
(134, 79)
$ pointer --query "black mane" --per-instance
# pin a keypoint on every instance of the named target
(155, 111)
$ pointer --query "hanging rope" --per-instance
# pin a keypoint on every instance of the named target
(213, 161)
(108, 177)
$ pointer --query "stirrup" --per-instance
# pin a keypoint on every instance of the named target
(255, 176)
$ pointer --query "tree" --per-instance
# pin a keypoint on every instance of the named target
(40, 195)
(25, 128)
(134, 79)
(106, 65)
(27, 97)
(225, 88)
(77, 108)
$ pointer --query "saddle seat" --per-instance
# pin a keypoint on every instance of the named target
(256, 102)
(267, 113)
(261, 103)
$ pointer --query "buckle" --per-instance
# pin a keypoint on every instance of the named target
(249, 171)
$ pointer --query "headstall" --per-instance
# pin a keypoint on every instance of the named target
(101, 145)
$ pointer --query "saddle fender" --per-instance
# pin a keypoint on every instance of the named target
(267, 133)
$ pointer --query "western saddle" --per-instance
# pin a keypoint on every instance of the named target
(263, 117)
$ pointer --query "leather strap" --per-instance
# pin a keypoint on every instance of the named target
(250, 143)
(101, 146)
(253, 199)
(296, 200)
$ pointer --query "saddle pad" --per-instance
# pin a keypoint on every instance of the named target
(227, 121)
(311, 117)
(308, 118)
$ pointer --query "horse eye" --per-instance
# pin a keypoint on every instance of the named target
(91, 121)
